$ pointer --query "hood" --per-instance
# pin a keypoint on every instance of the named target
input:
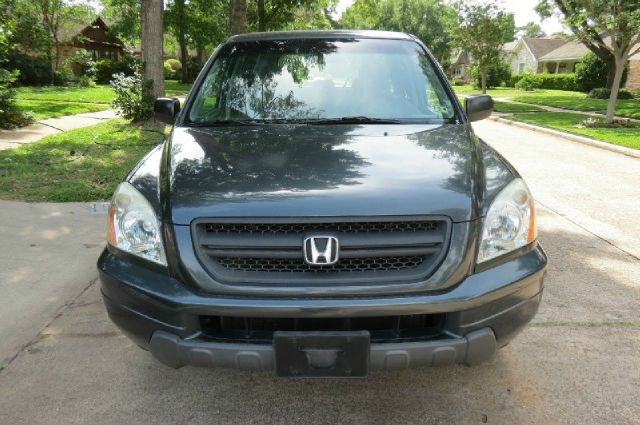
(331, 170)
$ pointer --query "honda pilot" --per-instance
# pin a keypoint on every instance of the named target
(322, 208)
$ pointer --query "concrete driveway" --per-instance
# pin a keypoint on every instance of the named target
(579, 361)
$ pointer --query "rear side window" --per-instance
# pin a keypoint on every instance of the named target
(319, 79)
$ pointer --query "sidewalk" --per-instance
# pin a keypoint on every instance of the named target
(34, 132)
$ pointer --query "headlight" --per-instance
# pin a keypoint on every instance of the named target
(510, 222)
(133, 226)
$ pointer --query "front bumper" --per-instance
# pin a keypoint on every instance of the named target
(483, 313)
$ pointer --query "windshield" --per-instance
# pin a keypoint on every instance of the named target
(307, 80)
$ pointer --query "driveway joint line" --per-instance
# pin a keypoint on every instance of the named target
(40, 336)
(589, 231)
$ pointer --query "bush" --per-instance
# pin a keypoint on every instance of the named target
(558, 81)
(63, 76)
(545, 81)
(458, 82)
(604, 93)
(496, 76)
(528, 82)
(85, 81)
(592, 73)
(133, 99)
(172, 69)
(107, 68)
(83, 64)
(10, 115)
(34, 71)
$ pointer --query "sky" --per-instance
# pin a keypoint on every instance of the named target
(522, 9)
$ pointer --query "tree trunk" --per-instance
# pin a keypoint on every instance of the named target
(182, 40)
(611, 71)
(483, 81)
(262, 17)
(238, 16)
(621, 59)
(184, 59)
(152, 48)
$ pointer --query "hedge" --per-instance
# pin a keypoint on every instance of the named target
(549, 81)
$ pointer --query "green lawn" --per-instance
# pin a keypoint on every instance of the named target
(51, 109)
(78, 165)
(53, 101)
(97, 94)
(514, 107)
(560, 99)
(565, 121)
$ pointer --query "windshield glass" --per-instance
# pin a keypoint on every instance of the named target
(306, 80)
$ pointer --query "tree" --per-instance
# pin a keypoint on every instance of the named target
(238, 16)
(483, 31)
(430, 20)
(531, 30)
(266, 15)
(178, 22)
(609, 28)
(124, 18)
(152, 47)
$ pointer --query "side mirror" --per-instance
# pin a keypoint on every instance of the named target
(166, 110)
(478, 107)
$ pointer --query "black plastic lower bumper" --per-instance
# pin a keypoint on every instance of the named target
(482, 313)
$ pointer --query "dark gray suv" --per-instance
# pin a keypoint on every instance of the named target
(322, 207)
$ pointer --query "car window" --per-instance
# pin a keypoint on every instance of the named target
(320, 79)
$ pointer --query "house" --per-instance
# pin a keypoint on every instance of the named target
(94, 38)
(525, 55)
(459, 68)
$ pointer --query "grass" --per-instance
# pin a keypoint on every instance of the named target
(78, 165)
(565, 121)
(514, 107)
(97, 94)
(50, 109)
(576, 101)
(54, 101)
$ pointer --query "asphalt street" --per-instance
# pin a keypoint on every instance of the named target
(578, 362)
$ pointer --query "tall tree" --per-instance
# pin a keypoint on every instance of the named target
(483, 31)
(124, 19)
(609, 28)
(432, 21)
(531, 30)
(152, 47)
(178, 21)
(238, 16)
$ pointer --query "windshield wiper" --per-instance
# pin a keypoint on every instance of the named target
(353, 120)
(224, 123)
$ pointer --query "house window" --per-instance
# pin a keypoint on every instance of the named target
(521, 67)
(458, 71)
(562, 68)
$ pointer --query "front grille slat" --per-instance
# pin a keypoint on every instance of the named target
(271, 250)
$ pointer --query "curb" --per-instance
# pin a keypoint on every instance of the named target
(571, 137)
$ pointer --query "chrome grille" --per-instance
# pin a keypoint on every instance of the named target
(270, 251)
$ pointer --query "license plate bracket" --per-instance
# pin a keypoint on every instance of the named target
(321, 354)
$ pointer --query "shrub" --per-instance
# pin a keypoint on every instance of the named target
(172, 68)
(592, 73)
(10, 115)
(496, 76)
(528, 82)
(85, 81)
(63, 76)
(549, 81)
(83, 64)
(133, 99)
(604, 93)
(458, 82)
(34, 71)
(107, 68)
